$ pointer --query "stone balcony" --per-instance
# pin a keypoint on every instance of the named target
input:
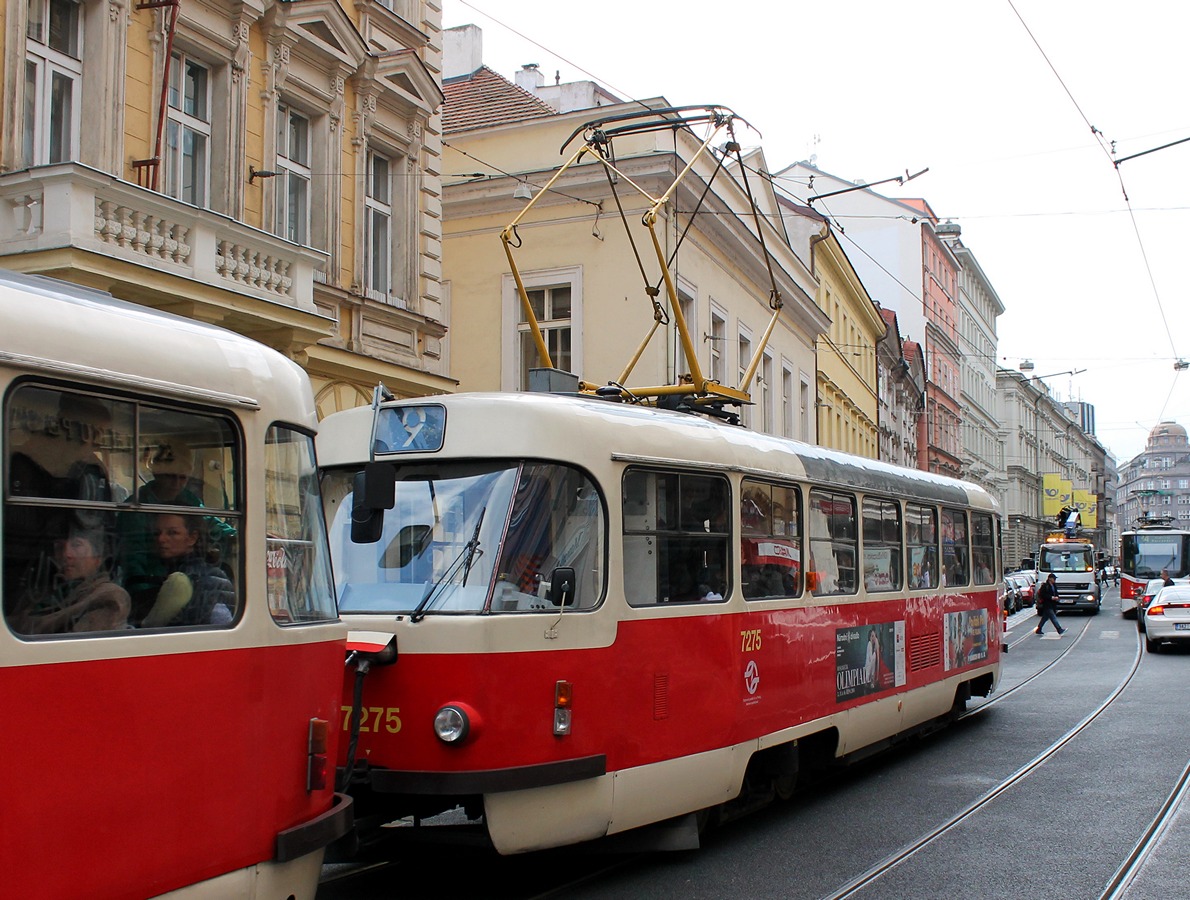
(73, 207)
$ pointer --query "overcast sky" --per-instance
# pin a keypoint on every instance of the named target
(997, 98)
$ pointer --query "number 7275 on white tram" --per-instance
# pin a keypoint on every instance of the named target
(606, 616)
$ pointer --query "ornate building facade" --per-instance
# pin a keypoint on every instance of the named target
(272, 167)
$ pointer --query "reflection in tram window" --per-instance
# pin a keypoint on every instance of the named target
(771, 540)
(882, 545)
(983, 548)
(462, 538)
(676, 530)
(956, 554)
(832, 543)
(921, 533)
(89, 481)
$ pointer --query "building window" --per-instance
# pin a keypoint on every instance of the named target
(293, 180)
(378, 225)
(786, 401)
(686, 304)
(804, 409)
(53, 79)
(765, 389)
(188, 131)
(744, 357)
(718, 336)
(552, 307)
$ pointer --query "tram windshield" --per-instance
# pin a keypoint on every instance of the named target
(1145, 555)
(472, 538)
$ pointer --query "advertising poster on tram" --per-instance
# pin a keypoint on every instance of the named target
(869, 659)
(966, 638)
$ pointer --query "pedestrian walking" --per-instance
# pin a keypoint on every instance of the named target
(1047, 604)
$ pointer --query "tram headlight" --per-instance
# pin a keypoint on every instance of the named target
(452, 723)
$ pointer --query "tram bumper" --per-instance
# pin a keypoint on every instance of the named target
(318, 833)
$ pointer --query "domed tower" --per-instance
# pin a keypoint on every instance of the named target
(1167, 436)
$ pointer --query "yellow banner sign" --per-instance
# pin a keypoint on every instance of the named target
(1088, 507)
(1051, 487)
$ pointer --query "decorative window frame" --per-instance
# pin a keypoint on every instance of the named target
(312, 49)
(100, 102)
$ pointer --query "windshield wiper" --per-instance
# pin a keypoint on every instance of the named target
(465, 560)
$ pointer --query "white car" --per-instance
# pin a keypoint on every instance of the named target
(1167, 617)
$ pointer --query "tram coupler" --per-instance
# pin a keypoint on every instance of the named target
(364, 650)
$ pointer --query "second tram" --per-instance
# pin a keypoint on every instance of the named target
(171, 652)
(606, 616)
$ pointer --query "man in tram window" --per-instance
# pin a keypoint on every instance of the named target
(84, 597)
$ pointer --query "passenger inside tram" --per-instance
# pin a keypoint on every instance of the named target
(55, 439)
(83, 596)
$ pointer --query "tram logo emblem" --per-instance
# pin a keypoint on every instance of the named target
(751, 676)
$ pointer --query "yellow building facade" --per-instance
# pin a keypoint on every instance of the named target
(847, 389)
(272, 167)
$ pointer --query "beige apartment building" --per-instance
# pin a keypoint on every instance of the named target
(502, 145)
(272, 167)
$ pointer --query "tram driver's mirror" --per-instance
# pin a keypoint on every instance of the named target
(562, 586)
(367, 522)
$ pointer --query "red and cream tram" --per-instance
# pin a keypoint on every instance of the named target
(607, 615)
(171, 653)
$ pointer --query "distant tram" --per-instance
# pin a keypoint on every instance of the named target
(171, 653)
(1154, 544)
(573, 617)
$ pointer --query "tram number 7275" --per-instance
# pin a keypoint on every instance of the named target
(375, 719)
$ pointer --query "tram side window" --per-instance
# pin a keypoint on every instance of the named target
(956, 553)
(676, 533)
(833, 544)
(770, 540)
(882, 552)
(555, 535)
(983, 548)
(298, 572)
(99, 528)
(921, 539)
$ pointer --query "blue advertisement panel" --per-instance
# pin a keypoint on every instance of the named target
(869, 659)
(965, 638)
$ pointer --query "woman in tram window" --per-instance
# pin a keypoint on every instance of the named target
(195, 592)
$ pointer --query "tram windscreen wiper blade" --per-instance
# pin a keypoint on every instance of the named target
(465, 560)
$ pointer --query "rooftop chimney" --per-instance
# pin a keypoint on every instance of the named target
(530, 77)
(462, 51)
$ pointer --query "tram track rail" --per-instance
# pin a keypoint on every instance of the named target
(1117, 886)
(906, 852)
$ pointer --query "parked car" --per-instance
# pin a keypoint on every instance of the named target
(1167, 617)
(1144, 599)
(1028, 585)
(1010, 595)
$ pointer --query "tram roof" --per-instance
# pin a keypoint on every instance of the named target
(60, 329)
(515, 425)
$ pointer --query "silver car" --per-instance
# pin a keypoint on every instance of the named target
(1167, 617)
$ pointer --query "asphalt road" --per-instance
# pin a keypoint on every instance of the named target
(1044, 793)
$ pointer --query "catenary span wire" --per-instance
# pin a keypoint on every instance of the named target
(1103, 144)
